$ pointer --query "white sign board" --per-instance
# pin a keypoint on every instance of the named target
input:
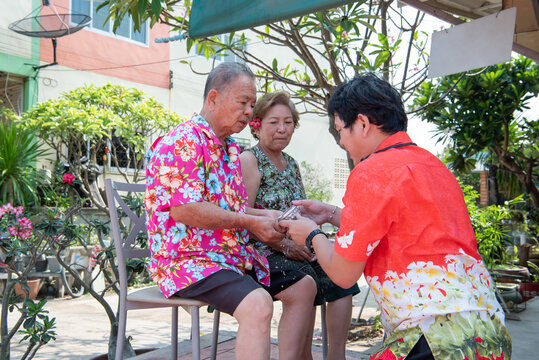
(481, 42)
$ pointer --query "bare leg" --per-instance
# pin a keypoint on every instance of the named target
(295, 323)
(254, 317)
(307, 348)
(338, 317)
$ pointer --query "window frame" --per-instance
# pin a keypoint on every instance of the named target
(109, 33)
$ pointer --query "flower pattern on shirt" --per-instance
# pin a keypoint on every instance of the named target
(427, 290)
(191, 165)
(420, 256)
(345, 240)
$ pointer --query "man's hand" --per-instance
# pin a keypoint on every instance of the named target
(266, 229)
(295, 252)
(314, 210)
(298, 229)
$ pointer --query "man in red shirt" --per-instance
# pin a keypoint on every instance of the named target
(406, 227)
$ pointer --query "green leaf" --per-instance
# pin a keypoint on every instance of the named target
(156, 7)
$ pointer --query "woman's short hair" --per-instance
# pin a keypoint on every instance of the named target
(266, 102)
(370, 96)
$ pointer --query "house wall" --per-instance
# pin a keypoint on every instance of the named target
(99, 53)
(18, 53)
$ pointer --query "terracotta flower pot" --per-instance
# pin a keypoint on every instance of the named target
(33, 284)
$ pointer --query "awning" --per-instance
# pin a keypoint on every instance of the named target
(212, 17)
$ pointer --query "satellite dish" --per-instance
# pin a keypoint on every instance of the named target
(49, 26)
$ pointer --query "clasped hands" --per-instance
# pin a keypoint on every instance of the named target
(313, 213)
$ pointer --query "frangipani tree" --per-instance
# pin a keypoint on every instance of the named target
(480, 116)
(326, 47)
(91, 125)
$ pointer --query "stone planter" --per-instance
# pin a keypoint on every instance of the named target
(53, 264)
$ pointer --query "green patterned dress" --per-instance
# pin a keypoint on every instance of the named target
(276, 191)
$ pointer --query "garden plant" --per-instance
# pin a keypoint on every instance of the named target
(96, 132)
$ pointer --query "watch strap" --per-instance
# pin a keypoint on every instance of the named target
(309, 240)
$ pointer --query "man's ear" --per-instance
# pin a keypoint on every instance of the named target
(363, 123)
(212, 97)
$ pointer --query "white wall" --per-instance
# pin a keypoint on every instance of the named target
(55, 80)
(11, 42)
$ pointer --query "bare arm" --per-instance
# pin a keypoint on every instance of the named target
(205, 215)
(342, 271)
(251, 175)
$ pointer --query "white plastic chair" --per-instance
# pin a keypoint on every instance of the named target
(149, 297)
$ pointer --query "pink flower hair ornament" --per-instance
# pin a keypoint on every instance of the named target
(255, 123)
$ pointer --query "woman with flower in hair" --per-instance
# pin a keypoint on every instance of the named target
(272, 180)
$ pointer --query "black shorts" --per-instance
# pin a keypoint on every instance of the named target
(226, 289)
(420, 351)
(328, 291)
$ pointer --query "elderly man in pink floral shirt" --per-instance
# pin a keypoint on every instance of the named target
(198, 222)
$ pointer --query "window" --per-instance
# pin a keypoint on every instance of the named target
(242, 143)
(123, 152)
(225, 55)
(12, 92)
(342, 171)
(99, 16)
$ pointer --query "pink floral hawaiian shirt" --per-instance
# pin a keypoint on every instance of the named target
(189, 165)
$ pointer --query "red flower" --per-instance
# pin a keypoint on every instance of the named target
(255, 123)
(68, 178)
(478, 339)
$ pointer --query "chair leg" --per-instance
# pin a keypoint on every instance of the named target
(174, 333)
(324, 331)
(121, 330)
(215, 334)
(195, 332)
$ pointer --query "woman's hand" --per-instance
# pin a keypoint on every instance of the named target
(298, 229)
(295, 252)
(319, 212)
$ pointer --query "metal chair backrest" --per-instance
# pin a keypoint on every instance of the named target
(125, 247)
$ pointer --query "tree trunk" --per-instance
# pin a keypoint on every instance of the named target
(113, 342)
(524, 175)
(493, 193)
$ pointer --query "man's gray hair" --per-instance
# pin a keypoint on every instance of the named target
(223, 75)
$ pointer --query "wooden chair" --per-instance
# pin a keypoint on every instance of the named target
(149, 297)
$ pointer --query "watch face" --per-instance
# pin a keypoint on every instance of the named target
(290, 214)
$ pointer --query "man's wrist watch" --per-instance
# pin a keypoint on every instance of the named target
(309, 240)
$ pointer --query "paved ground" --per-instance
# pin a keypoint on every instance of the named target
(82, 328)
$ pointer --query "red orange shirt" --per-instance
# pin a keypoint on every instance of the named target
(404, 214)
